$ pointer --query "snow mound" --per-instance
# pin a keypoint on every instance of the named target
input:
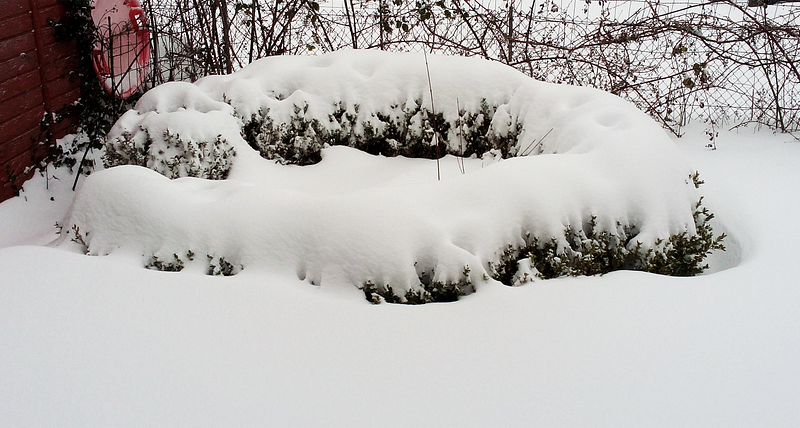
(357, 217)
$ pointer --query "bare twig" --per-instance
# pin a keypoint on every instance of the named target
(433, 117)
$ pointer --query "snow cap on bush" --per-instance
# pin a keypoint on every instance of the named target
(358, 217)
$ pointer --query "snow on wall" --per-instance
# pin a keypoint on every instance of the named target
(355, 216)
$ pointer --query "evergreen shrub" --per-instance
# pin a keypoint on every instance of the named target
(402, 130)
(427, 291)
(589, 252)
(172, 155)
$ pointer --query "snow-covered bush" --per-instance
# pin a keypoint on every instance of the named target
(399, 130)
(592, 252)
(589, 183)
(289, 108)
(182, 133)
(215, 266)
(172, 155)
(428, 290)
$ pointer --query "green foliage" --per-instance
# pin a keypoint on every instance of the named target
(172, 156)
(376, 295)
(428, 290)
(683, 254)
(296, 142)
(476, 135)
(587, 251)
(505, 270)
(217, 266)
(126, 151)
(402, 130)
(174, 265)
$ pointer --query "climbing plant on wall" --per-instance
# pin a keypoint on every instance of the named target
(96, 110)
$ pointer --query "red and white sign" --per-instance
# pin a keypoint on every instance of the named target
(121, 55)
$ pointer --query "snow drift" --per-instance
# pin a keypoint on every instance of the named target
(357, 217)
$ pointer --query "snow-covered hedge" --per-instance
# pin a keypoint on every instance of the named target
(186, 135)
(396, 130)
(606, 189)
(290, 108)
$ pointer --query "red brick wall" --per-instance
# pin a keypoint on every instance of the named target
(33, 79)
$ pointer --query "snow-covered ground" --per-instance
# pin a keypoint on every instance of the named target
(99, 341)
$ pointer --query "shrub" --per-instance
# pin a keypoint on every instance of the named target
(171, 155)
(589, 252)
(174, 265)
(219, 266)
(403, 130)
(296, 142)
(216, 265)
(427, 291)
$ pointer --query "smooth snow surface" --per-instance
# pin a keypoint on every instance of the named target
(356, 217)
(100, 341)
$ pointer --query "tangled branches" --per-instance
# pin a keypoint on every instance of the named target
(715, 60)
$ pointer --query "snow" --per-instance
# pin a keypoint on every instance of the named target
(99, 341)
(601, 157)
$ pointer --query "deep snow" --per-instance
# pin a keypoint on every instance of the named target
(362, 218)
(97, 341)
